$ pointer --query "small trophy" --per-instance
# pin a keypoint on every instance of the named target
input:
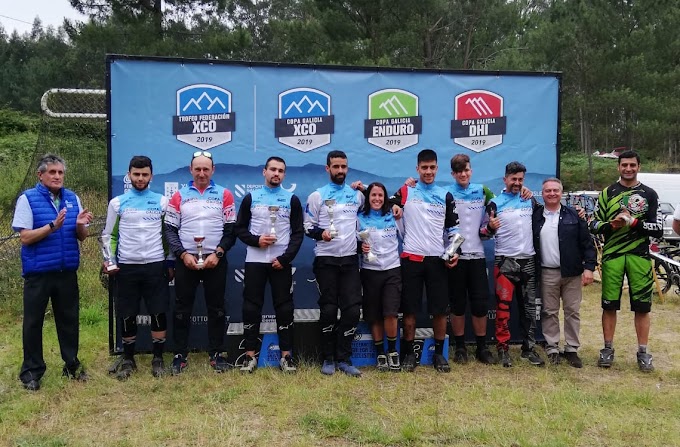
(332, 230)
(365, 236)
(199, 246)
(455, 242)
(109, 258)
(272, 219)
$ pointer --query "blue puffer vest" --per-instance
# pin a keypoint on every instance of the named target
(59, 251)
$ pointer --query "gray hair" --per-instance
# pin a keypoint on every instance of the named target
(49, 159)
(553, 179)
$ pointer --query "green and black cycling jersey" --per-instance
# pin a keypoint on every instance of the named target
(642, 203)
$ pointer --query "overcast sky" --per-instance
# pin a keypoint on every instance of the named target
(13, 13)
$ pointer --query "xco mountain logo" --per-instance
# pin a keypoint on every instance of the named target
(478, 122)
(305, 121)
(204, 118)
(393, 122)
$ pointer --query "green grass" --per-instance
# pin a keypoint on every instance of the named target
(472, 406)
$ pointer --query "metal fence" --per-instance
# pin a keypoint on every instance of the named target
(73, 126)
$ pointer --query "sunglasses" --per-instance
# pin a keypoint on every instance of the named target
(202, 153)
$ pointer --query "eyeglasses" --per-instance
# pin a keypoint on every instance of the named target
(205, 154)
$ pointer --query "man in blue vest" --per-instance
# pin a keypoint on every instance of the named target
(50, 220)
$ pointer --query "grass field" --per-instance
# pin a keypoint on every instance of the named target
(473, 406)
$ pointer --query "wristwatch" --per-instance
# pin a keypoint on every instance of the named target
(51, 225)
(219, 254)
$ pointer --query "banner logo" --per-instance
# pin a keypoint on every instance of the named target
(478, 122)
(393, 122)
(204, 118)
(305, 121)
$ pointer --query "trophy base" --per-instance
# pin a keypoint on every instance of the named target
(111, 267)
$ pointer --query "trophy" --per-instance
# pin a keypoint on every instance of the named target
(109, 258)
(365, 236)
(272, 219)
(199, 246)
(454, 244)
(332, 230)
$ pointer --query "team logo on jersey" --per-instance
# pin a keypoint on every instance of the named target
(305, 121)
(393, 122)
(204, 118)
(635, 204)
(478, 122)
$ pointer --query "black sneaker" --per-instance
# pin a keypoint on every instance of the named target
(460, 355)
(554, 358)
(219, 363)
(532, 357)
(573, 359)
(179, 364)
(409, 363)
(393, 361)
(485, 356)
(249, 364)
(504, 357)
(78, 373)
(644, 361)
(157, 367)
(127, 367)
(381, 363)
(606, 358)
(286, 365)
(440, 364)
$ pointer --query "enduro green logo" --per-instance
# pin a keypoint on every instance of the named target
(393, 122)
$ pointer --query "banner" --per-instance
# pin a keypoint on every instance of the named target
(244, 113)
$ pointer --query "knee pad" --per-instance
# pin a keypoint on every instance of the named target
(159, 322)
(284, 312)
(251, 312)
(129, 327)
(351, 314)
(478, 308)
(328, 314)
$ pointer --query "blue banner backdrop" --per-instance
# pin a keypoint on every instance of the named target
(246, 112)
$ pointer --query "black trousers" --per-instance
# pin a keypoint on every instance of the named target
(62, 288)
(339, 289)
(281, 281)
(214, 286)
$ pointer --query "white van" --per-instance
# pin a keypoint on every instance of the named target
(667, 186)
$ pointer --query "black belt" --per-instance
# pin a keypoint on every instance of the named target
(551, 268)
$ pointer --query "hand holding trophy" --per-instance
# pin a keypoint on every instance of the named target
(200, 262)
(109, 258)
(330, 203)
(365, 236)
(454, 244)
(273, 210)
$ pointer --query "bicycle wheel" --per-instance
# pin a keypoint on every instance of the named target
(663, 274)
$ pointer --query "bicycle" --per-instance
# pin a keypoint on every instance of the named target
(667, 267)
